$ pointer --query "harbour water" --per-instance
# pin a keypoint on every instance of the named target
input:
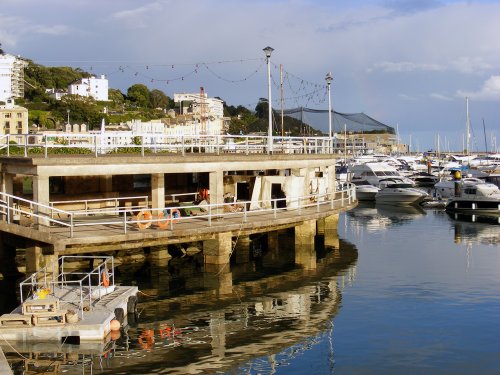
(402, 291)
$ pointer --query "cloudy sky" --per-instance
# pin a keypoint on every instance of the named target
(407, 63)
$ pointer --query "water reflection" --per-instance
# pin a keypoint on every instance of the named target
(380, 217)
(473, 229)
(256, 314)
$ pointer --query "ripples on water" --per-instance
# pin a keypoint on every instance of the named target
(405, 290)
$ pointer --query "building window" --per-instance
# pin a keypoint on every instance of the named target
(8, 115)
(7, 125)
(19, 115)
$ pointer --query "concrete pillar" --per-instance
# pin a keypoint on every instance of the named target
(106, 184)
(218, 334)
(331, 180)
(7, 186)
(160, 255)
(331, 231)
(272, 257)
(242, 250)
(42, 196)
(217, 250)
(158, 190)
(38, 258)
(216, 188)
(305, 254)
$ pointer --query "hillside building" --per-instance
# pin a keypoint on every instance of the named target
(96, 88)
(11, 77)
(13, 120)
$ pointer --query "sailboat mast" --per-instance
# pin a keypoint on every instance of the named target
(467, 127)
(485, 142)
(281, 101)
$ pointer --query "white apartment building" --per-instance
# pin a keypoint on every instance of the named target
(91, 86)
(11, 77)
(208, 113)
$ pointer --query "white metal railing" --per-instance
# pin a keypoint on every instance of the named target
(71, 286)
(111, 205)
(165, 218)
(116, 142)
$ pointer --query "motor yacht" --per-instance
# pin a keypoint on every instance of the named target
(377, 173)
(400, 194)
(479, 199)
(446, 188)
(365, 191)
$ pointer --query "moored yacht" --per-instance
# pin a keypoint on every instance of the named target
(376, 173)
(400, 194)
(479, 199)
(365, 191)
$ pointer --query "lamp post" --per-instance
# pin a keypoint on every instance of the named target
(329, 79)
(68, 114)
(268, 50)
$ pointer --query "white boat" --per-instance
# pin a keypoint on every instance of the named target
(480, 199)
(365, 191)
(400, 194)
(446, 188)
(376, 173)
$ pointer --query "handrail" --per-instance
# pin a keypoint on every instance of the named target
(97, 144)
(346, 191)
(47, 278)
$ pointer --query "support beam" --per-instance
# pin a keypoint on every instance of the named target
(331, 231)
(305, 254)
(41, 195)
(217, 250)
(158, 191)
(38, 258)
(216, 187)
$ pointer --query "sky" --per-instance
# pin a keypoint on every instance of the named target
(407, 63)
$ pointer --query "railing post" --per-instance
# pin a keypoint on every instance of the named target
(246, 146)
(25, 146)
(45, 151)
(142, 145)
(245, 218)
(95, 144)
(275, 206)
(183, 145)
(125, 221)
(209, 215)
(71, 231)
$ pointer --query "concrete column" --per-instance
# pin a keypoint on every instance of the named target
(7, 187)
(216, 188)
(106, 184)
(158, 190)
(331, 231)
(242, 250)
(7, 183)
(331, 179)
(160, 255)
(38, 258)
(272, 257)
(305, 254)
(218, 277)
(42, 196)
(217, 250)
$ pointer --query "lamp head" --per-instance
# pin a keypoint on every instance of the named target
(329, 78)
(268, 50)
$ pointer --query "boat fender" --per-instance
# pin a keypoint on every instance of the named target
(105, 278)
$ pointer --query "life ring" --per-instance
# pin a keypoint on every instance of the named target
(105, 278)
(163, 224)
(147, 339)
(144, 215)
(203, 193)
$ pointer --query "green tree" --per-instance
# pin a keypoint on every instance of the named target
(81, 110)
(261, 108)
(1, 50)
(139, 95)
(158, 99)
(116, 96)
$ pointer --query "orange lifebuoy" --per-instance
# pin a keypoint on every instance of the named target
(203, 194)
(144, 215)
(163, 224)
(105, 278)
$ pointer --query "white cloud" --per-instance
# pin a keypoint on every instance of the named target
(405, 66)
(406, 97)
(490, 91)
(50, 30)
(466, 64)
(438, 96)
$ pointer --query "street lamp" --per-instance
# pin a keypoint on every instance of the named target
(268, 50)
(329, 79)
(68, 114)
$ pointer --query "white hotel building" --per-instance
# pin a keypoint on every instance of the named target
(90, 87)
(11, 77)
